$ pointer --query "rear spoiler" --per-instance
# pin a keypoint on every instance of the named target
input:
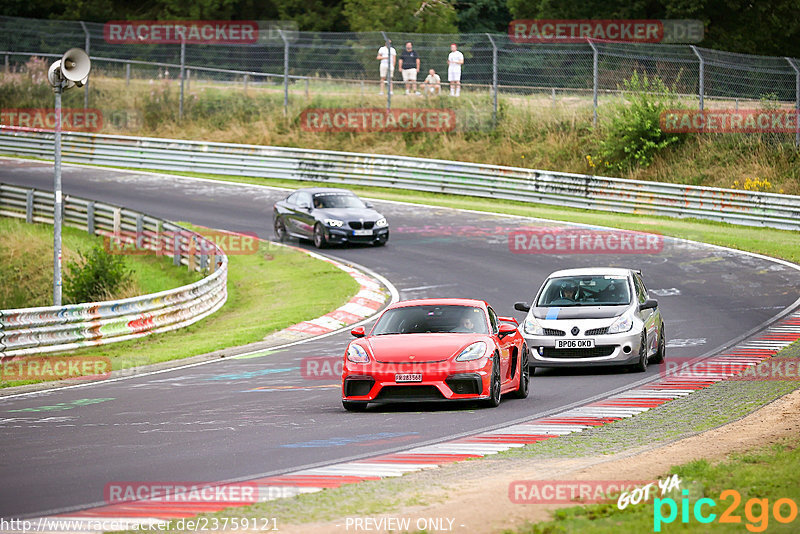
(507, 320)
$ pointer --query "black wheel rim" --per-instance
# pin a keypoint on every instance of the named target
(524, 373)
(496, 381)
(318, 237)
(280, 231)
(643, 354)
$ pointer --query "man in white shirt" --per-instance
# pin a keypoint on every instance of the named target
(387, 65)
(454, 62)
(433, 83)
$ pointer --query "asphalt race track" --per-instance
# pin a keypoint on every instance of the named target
(239, 418)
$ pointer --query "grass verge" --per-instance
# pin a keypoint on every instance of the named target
(267, 291)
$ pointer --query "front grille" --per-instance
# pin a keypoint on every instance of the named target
(358, 225)
(409, 392)
(356, 387)
(597, 331)
(553, 332)
(355, 225)
(596, 352)
(465, 384)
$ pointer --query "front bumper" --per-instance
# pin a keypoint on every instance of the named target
(441, 381)
(609, 349)
(344, 235)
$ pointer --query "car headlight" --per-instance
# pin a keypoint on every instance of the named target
(381, 223)
(357, 354)
(532, 327)
(623, 323)
(336, 223)
(473, 352)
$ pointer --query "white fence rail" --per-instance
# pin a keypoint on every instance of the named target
(58, 328)
(489, 181)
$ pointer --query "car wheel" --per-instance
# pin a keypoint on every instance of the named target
(379, 242)
(280, 230)
(494, 385)
(524, 376)
(641, 365)
(662, 348)
(319, 236)
(354, 406)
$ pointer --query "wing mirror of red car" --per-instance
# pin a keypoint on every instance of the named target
(358, 331)
(506, 329)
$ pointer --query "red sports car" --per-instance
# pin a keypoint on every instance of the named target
(435, 349)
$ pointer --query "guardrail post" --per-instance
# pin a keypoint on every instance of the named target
(88, 53)
(183, 75)
(494, 80)
(127, 74)
(595, 80)
(701, 76)
(176, 248)
(204, 255)
(90, 218)
(29, 206)
(796, 101)
(139, 231)
(116, 220)
(285, 73)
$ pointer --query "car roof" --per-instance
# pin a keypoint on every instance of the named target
(314, 190)
(592, 271)
(440, 302)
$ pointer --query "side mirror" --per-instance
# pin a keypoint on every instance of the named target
(508, 320)
(304, 206)
(369, 205)
(649, 304)
(506, 329)
(358, 331)
(522, 306)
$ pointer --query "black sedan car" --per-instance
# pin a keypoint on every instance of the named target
(328, 216)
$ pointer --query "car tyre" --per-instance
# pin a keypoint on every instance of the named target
(641, 365)
(320, 241)
(662, 348)
(354, 406)
(524, 376)
(494, 385)
(280, 230)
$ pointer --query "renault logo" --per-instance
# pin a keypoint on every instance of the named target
(575, 330)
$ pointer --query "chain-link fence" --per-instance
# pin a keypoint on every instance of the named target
(305, 63)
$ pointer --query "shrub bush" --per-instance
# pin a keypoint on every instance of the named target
(96, 275)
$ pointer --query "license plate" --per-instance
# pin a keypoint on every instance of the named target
(574, 343)
(362, 232)
(408, 377)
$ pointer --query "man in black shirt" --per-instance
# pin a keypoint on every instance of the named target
(409, 66)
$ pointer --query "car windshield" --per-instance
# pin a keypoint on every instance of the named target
(598, 290)
(430, 319)
(337, 200)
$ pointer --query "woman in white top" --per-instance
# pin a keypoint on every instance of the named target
(454, 62)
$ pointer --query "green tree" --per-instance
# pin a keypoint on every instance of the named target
(482, 16)
(415, 16)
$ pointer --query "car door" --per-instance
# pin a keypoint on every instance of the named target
(505, 344)
(304, 215)
(648, 317)
(285, 209)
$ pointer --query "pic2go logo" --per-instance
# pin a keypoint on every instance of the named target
(756, 511)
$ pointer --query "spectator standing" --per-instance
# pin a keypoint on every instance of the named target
(409, 67)
(388, 58)
(433, 83)
(454, 62)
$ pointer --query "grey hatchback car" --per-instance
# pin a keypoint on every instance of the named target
(328, 215)
(593, 316)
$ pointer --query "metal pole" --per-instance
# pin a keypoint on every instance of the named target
(57, 203)
(389, 72)
(246, 76)
(595, 69)
(702, 74)
(285, 72)
(86, 48)
(183, 72)
(796, 101)
(127, 74)
(8, 66)
(494, 79)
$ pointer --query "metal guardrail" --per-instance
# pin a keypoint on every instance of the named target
(57, 328)
(472, 179)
